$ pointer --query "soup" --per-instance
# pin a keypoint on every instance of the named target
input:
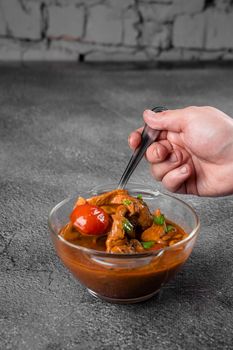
(126, 251)
(117, 222)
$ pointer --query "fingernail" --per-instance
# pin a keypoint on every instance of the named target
(157, 152)
(149, 113)
(183, 170)
(173, 158)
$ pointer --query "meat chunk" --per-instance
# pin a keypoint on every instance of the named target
(110, 209)
(80, 201)
(145, 218)
(137, 209)
(109, 201)
(117, 236)
(136, 246)
(153, 233)
(69, 233)
(107, 198)
(133, 246)
(117, 241)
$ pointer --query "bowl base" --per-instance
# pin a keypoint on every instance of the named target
(123, 301)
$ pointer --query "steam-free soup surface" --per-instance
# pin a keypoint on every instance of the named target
(117, 222)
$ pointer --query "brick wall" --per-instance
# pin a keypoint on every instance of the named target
(116, 30)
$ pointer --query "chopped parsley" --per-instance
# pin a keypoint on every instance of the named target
(126, 202)
(159, 220)
(139, 196)
(127, 226)
(148, 245)
(169, 228)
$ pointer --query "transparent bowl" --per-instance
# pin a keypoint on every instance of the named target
(126, 278)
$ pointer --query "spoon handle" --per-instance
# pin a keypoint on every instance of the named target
(148, 136)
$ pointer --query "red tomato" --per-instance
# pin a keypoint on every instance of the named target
(90, 219)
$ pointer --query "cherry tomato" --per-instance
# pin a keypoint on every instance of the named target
(90, 219)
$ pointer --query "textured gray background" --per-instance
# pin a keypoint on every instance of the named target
(116, 30)
(64, 128)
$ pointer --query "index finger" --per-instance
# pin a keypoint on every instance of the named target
(172, 120)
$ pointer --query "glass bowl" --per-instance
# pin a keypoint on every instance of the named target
(126, 278)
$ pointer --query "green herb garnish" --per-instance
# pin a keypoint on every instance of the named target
(126, 202)
(127, 226)
(148, 245)
(159, 220)
(139, 196)
(169, 228)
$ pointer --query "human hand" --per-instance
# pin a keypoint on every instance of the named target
(194, 153)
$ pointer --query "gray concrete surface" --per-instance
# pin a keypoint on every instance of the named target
(64, 128)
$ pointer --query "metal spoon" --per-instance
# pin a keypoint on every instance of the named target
(149, 135)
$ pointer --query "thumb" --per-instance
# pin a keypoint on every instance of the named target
(170, 120)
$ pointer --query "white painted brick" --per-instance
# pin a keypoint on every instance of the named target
(130, 18)
(23, 22)
(157, 12)
(219, 29)
(79, 47)
(195, 35)
(34, 51)
(152, 53)
(211, 55)
(228, 56)
(187, 6)
(117, 56)
(65, 21)
(190, 55)
(189, 31)
(166, 12)
(71, 2)
(103, 26)
(39, 51)
(156, 1)
(223, 5)
(156, 35)
(170, 55)
(180, 55)
(2, 23)
(69, 47)
(59, 55)
(119, 5)
(73, 49)
(10, 50)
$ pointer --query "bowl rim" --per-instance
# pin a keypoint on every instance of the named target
(192, 234)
